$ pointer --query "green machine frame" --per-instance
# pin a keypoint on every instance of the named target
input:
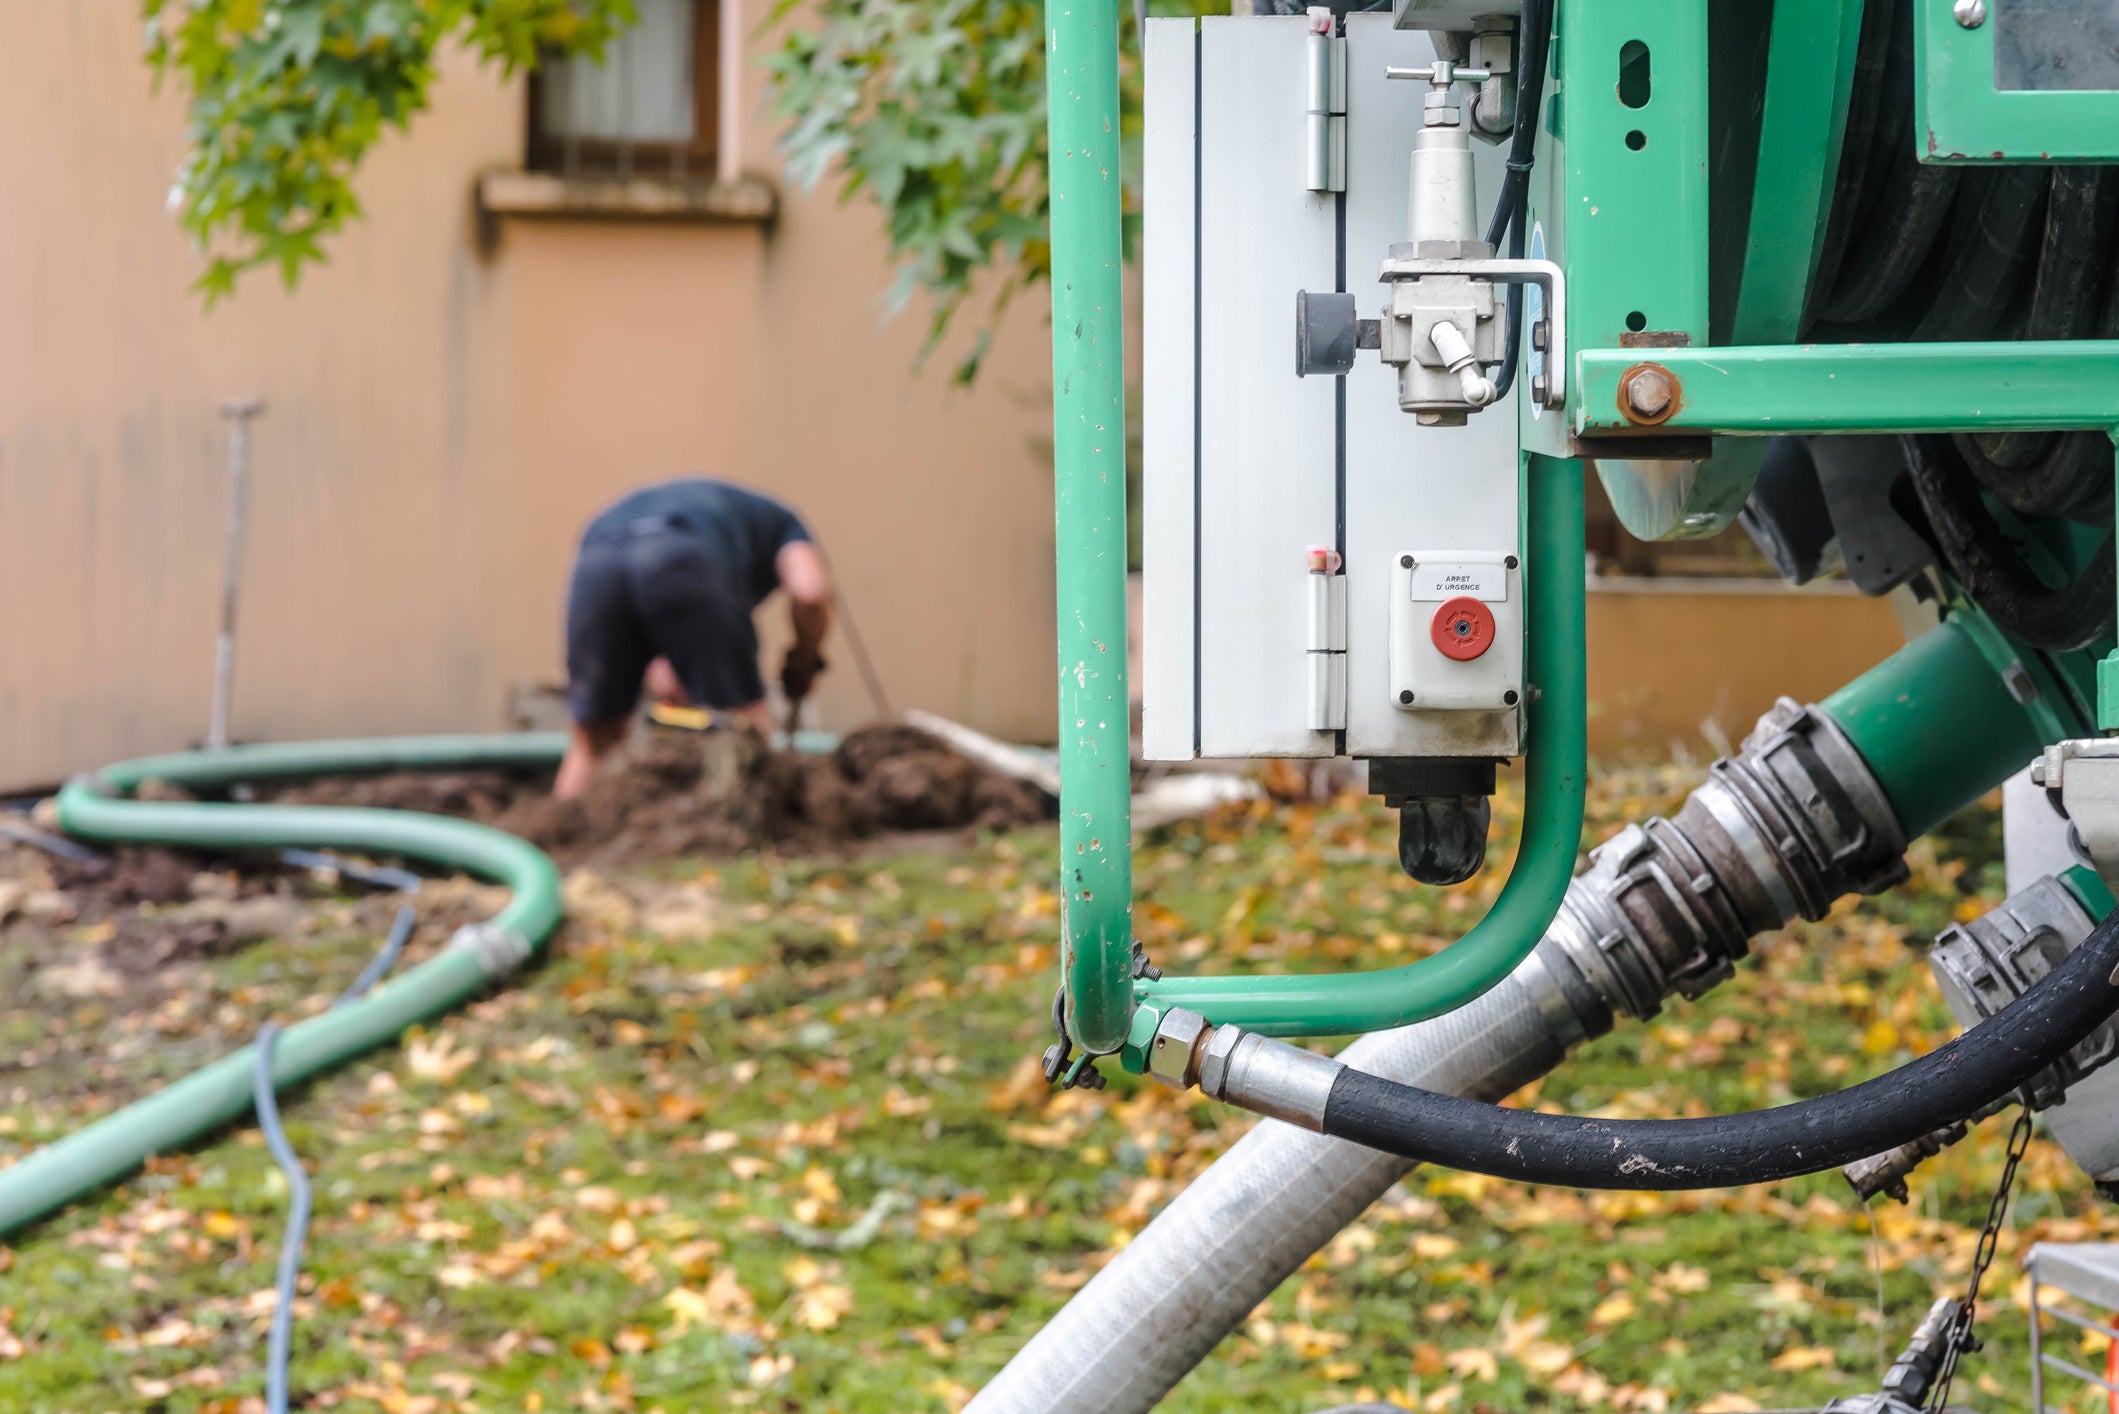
(1629, 196)
(1967, 115)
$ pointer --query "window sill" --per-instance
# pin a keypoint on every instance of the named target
(746, 200)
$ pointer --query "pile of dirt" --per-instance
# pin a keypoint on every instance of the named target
(671, 794)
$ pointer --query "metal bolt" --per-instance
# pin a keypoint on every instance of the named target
(1405, 562)
(1214, 1059)
(1170, 1054)
(1537, 389)
(1405, 698)
(1648, 394)
(1540, 334)
(1511, 562)
(1970, 13)
(1509, 697)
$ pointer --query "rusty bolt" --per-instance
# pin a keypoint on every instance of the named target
(1647, 394)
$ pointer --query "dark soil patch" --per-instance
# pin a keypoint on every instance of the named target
(672, 794)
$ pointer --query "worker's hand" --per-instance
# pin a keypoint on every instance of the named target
(664, 686)
(798, 673)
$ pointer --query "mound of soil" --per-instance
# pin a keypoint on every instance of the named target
(671, 794)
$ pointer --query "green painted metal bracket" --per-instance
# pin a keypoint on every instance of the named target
(1809, 72)
(1089, 496)
(2024, 671)
(2108, 667)
(1770, 390)
(1809, 69)
(1620, 190)
(1964, 117)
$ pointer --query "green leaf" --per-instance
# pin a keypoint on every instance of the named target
(287, 97)
(935, 109)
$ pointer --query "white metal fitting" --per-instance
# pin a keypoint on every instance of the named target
(2084, 774)
(1456, 354)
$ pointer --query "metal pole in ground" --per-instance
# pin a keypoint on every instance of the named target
(239, 412)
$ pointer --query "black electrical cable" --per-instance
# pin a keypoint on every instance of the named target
(1534, 43)
(1991, 1060)
(1991, 569)
(1512, 207)
(264, 1094)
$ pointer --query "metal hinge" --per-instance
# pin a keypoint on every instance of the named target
(1325, 653)
(1324, 148)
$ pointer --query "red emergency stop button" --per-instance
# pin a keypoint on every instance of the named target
(1463, 628)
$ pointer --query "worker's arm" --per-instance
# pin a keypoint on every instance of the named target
(808, 586)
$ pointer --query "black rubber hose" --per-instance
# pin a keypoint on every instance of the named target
(1993, 1059)
(1854, 187)
(2051, 473)
(1901, 203)
(1991, 569)
(1997, 253)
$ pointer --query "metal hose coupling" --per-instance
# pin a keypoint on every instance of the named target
(499, 950)
(1242, 1068)
(1982, 966)
(1791, 822)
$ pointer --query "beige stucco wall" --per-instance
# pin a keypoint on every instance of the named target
(441, 422)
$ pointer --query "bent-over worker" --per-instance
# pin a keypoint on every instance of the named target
(662, 594)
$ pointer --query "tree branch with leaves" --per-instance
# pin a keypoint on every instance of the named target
(287, 96)
(935, 109)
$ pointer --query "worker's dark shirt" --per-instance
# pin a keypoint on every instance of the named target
(674, 569)
(744, 529)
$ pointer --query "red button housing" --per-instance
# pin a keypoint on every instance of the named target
(1463, 628)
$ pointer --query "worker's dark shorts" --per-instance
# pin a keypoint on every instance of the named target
(648, 588)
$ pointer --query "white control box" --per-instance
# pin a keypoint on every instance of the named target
(1456, 631)
(1250, 469)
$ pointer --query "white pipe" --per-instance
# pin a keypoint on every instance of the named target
(1254, 1217)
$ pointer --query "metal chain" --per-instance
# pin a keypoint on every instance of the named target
(1960, 1338)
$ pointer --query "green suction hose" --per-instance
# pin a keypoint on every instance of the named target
(96, 807)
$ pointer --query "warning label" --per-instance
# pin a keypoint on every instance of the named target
(1443, 579)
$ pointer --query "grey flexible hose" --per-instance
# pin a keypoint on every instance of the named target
(1255, 1216)
(299, 1194)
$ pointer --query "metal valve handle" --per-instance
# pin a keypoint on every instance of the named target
(1442, 73)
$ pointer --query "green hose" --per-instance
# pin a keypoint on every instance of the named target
(96, 808)
(1556, 761)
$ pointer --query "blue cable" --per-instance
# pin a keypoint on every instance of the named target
(299, 1205)
(297, 1233)
(393, 946)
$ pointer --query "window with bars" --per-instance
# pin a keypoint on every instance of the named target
(648, 108)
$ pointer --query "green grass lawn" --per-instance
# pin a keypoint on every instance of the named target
(769, 1135)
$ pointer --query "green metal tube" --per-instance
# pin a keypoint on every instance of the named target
(93, 808)
(1776, 390)
(1555, 770)
(1089, 485)
(1937, 725)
